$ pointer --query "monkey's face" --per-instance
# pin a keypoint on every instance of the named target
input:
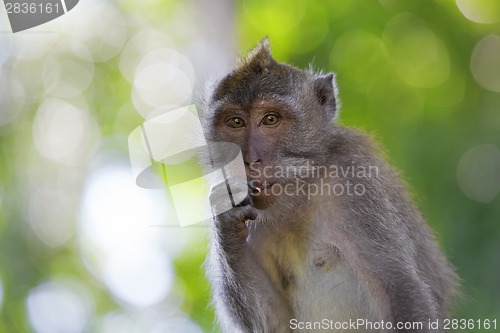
(278, 115)
(259, 131)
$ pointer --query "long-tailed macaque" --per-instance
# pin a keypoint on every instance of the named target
(327, 239)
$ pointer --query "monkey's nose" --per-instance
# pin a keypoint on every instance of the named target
(253, 164)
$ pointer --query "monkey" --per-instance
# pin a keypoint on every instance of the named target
(291, 258)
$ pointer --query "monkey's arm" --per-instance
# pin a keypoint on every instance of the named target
(244, 297)
(385, 240)
(376, 237)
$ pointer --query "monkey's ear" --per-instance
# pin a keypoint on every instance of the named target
(260, 56)
(325, 87)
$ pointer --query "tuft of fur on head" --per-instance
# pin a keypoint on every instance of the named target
(260, 55)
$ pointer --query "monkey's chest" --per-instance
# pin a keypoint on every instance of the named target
(314, 280)
(291, 261)
(326, 288)
(296, 266)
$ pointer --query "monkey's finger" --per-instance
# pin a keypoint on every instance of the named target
(250, 212)
(243, 213)
(238, 214)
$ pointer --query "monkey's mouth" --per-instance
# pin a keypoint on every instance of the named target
(259, 187)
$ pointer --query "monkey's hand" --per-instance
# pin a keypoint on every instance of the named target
(234, 221)
(230, 221)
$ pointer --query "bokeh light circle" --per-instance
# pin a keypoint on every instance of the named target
(54, 227)
(12, 96)
(478, 173)
(139, 276)
(480, 11)
(119, 322)
(58, 307)
(485, 63)
(100, 26)
(358, 52)
(164, 80)
(64, 133)
(33, 46)
(117, 243)
(420, 57)
(279, 16)
(68, 70)
(140, 45)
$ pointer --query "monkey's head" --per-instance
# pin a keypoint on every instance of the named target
(280, 117)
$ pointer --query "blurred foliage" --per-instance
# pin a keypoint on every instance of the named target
(409, 72)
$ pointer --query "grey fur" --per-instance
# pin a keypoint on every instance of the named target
(314, 257)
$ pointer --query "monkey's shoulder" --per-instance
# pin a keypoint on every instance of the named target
(348, 143)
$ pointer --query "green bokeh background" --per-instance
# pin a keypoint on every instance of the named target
(406, 74)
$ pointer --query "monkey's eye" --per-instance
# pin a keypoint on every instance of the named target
(270, 119)
(235, 122)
